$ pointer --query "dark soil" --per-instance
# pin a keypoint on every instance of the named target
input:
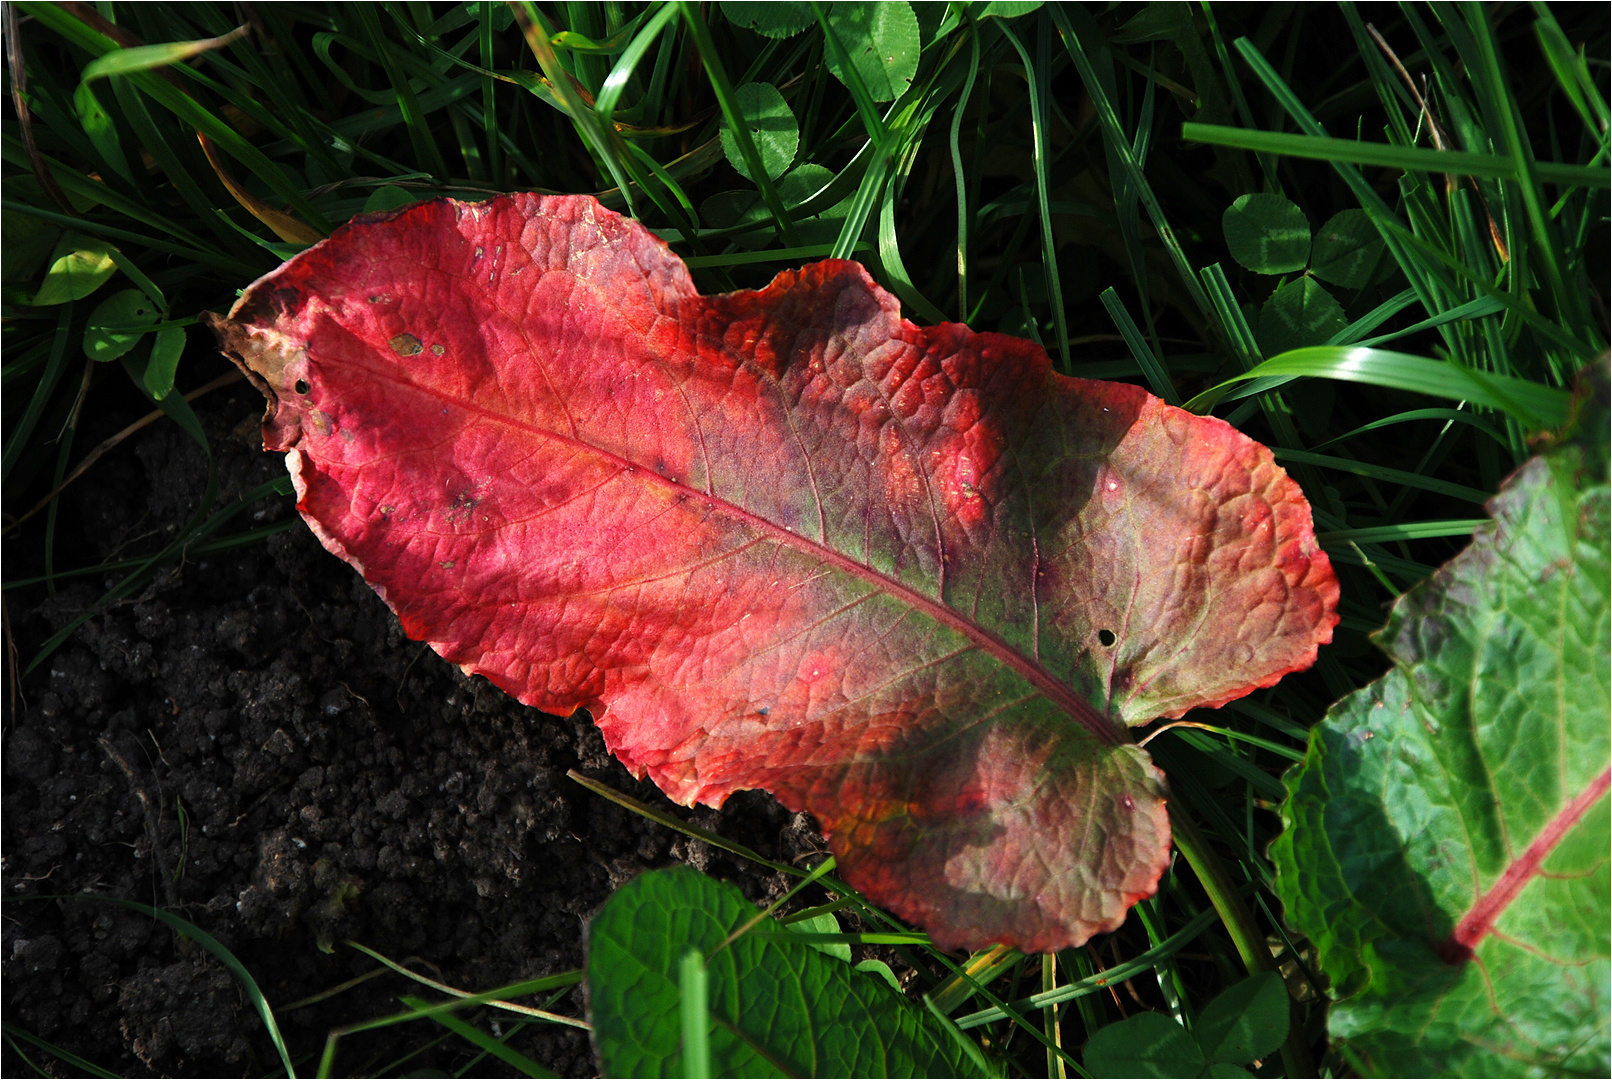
(252, 743)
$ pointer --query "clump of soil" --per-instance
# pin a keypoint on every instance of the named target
(252, 743)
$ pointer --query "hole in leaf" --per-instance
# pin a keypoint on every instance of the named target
(302, 386)
(1106, 637)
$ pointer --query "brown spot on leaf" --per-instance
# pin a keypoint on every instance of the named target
(406, 345)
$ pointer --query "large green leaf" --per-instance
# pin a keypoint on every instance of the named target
(778, 1007)
(1447, 833)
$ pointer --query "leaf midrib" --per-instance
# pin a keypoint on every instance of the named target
(1056, 691)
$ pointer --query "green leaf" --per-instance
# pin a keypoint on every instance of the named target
(1267, 234)
(106, 334)
(145, 57)
(1446, 836)
(772, 129)
(387, 197)
(1300, 313)
(28, 240)
(777, 1007)
(97, 124)
(78, 266)
(1147, 1044)
(1247, 1021)
(166, 350)
(774, 19)
(880, 969)
(1005, 9)
(1346, 250)
(882, 43)
(825, 923)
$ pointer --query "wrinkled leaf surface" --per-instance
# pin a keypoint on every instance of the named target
(1447, 833)
(907, 579)
(778, 1007)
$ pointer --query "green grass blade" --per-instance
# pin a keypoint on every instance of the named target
(146, 57)
(890, 258)
(971, 1047)
(1157, 378)
(1571, 71)
(481, 1039)
(1100, 982)
(1458, 416)
(1390, 156)
(622, 72)
(425, 147)
(1382, 472)
(55, 366)
(1036, 76)
(865, 106)
(1114, 134)
(1471, 310)
(1535, 404)
(693, 985)
(958, 176)
(66, 1057)
(201, 937)
(1410, 530)
(734, 118)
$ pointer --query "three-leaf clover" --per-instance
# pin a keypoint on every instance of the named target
(1245, 1023)
(1269, 235)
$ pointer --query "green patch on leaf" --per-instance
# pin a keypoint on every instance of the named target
(1300, 313)
(1346, 250)
(1006, 9)
(825, 923)
(1245, 1023)
(1447, 833)
(776, 1007)
(387, 197)
(882, 41)
(772, 128)
(1267, 234)
(112, 329)
(28, 240)
(79, 265)
(166, 349)
(779, 19)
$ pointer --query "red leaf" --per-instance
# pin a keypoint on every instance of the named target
(905, 578)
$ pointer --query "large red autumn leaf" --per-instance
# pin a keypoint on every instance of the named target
(905, 578)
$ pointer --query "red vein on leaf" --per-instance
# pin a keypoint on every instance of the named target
(1043, 680)
(1479, 920)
